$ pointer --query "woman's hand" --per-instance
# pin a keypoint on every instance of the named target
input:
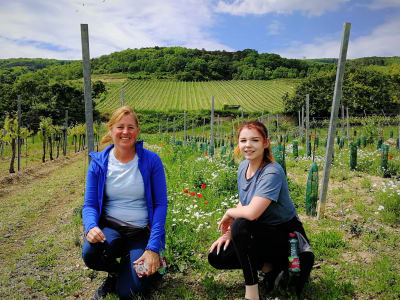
(225, 224)
(95, 235)
(224, 239)
(152, 261)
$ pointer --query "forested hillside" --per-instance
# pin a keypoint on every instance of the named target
(48, 87)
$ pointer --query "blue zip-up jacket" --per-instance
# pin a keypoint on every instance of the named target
(152, 170)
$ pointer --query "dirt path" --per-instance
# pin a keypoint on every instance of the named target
(40, 232)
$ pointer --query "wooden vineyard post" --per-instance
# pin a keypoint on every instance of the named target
(192, 129)
(308, 147)
(348, 126)
(302, 122)
(184, 127)
(204, 127)
(343, 121)
(212, 122)
(299, 125)
(334, 115)
(18, 134)
(173, 131)
(65, 139)
(123, 97)
(242, 115)
(277, 123)
(87, 88)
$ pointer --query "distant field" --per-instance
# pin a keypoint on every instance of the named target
(162, 95)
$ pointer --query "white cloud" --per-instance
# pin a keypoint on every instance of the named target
(259, 7)
(275, 27)
(383, 41)
(114, 25)
(380, 4)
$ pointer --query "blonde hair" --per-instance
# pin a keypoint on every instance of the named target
(116, 116)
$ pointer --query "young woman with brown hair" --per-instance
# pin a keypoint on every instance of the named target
(254, 234)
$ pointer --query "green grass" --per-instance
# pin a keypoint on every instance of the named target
(164, 95)
(356, 251)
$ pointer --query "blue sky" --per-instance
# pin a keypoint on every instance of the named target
(290, 28)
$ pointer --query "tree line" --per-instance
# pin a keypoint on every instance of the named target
(366, 90)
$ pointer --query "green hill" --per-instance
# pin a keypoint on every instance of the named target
(164, 95)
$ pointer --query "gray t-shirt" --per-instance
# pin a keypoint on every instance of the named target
(270, 183)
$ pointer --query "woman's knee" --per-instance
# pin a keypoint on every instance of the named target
(90, 255)
(214, 260)
(240, 229)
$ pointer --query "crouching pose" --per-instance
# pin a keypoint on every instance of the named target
(124, 210)
(254, 235)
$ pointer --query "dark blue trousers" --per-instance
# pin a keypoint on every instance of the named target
(102, 257)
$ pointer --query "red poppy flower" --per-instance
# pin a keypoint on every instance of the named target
(168, 152)
(199, 195)
(186, 191)
(390, 156)
(206, 154)
(192, 193)
(203, 186)
(205, 202)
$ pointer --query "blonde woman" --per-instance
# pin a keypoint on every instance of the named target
(125, 209)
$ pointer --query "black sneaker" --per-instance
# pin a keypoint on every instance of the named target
(270, 280)
(107, 287)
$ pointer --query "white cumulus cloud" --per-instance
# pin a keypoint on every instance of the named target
(384, 40)
(46, 28)
(259, 7)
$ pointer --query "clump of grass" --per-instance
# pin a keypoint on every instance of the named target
(327, 244)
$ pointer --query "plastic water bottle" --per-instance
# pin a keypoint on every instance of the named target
(163, 264)
(294, 262)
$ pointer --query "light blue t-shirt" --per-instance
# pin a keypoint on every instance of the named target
(270, 183)
(124, 191)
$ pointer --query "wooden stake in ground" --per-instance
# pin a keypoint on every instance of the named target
(212, 122)
(184, 127)
(299, 125)
(65, 137)
(343, 121)
(18, 134)
(334, 115)
(123, 97)
(87, 88)
(348, 126)
(302, 121)
(173, 131)
(308, 124)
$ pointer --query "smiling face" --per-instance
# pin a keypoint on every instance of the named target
(124, 133)
(252, 144)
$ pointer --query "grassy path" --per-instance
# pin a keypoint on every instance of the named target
(40, 239)
(41, 234)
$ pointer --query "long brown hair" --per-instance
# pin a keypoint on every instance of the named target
(260, 127)
(116, 116)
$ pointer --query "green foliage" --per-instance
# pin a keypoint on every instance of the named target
(331, 285)
(364, 90)
(214, 290)
(390, 202)
(198, 65)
